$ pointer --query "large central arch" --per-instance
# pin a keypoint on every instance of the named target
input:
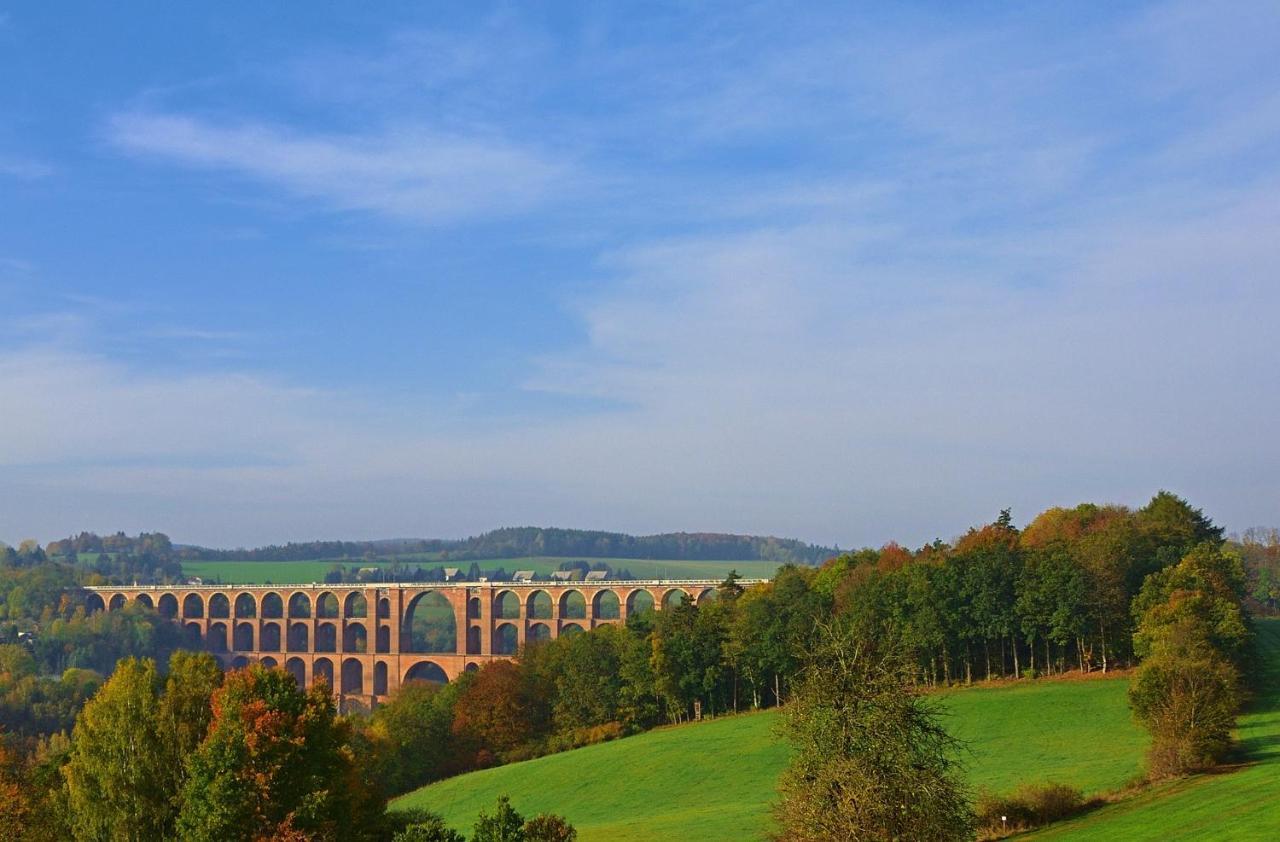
(429, 625)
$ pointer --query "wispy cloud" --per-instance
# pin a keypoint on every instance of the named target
(24, 169)
(410, 173)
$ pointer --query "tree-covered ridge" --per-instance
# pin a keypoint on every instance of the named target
(514, 542)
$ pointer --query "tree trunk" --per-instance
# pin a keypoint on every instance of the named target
(1017, 670)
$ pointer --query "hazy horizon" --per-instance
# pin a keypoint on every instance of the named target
(850, 276)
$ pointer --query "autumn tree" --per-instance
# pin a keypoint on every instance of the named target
(870, 760)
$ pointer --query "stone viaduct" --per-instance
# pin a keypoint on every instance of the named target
(364, 641)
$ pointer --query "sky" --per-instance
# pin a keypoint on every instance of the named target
(860, 273)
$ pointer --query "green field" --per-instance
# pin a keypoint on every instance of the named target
(1232, 805)
(303, 572)
(715, 780)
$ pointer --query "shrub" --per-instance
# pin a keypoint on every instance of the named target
(549, 828)
(424, 826)
(1030, 805)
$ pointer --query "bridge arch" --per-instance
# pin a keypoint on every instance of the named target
(352, 676)
(219, 606)
(473, 640)
(298, 638)
(326, 637)
(243, 637)
(298, 669)
(384, 639)
(272, 606)
(426, 671)
(571, 629)
(269, 662)
(246, 606)
(239, 662)
(573, 605)
(384, 608)
(326, 606)
(145, 599)
(429, 625)
(506, 605)
(708, 595)
(355, 606)
(269, 639)
(216, 637)
(674, 597)
(192, 606)
(538, 632)
(355, 638)
(506, 640)
(167, 606)
(192, 634)
(538, 605)
(380, 678)
(93, 603)
(473, 608)
(322, 670)
(606, 605)
(299, 606)
(639, 601)
(116, 603)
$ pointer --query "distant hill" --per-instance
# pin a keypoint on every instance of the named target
(514, 542)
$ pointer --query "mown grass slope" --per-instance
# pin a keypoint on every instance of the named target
(303, 572)
(715, 780)
(1240, 803)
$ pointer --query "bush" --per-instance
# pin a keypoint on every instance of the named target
(424, 826)
(1030, 805)
(1188, 702)
(549, 828)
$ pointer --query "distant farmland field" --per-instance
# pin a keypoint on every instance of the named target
(301, 572)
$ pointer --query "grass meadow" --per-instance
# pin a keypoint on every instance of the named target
(715, 780)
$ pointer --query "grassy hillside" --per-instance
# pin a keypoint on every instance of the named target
(298, 572)
(1234, 805)
(715, 780)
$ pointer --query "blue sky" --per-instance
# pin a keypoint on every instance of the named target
(847, 275)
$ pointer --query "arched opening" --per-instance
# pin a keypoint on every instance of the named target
(299, 605)
(471, 668)
(192, 606)
(326, 638)
(674, 598)
(191, 633)
(384, 608)
(354, 638)
(380, 679)
(117, 602)
(506, 606)
(538, 606)
(246, 605)
(216, 639)
(298, 670)
(239, 662)
(270, 663)
(322, 672)
(638, 602)
(573, 606)
(327, 606)
(270, 641)
(570, 629)
(356, 605)
(538, 632)
(145, 599)
(709, 595)
(505, 639)
(473, 608)
(298, 637)
(243, 638)
(352, 676)
(473, 640)
(426, 671)
(607, 606)
(219, 606)
(384, 639)
(168, 606)
(93, 604)
(272, 606)
(429, 624)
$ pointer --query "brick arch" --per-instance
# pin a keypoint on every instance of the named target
(298, 669)
(144, 599)
(426, 671)
(269, 638)
(242, 637)
(352, 676)
(355, 638)
(538, 632)
(299, 606)
(327, 606)
(638, 600)
(539, 605)
(271, 606)
(194, 634)
(322, 670)
(571, 608)
(239, 662)
(384, 639)
(326, 637)
(708, 595)
(473, 640)
(298, 638)
(167, 605)
(269, 662)
(506, 639)
(93, 603)
(216, 637)
(384, 609)
(192, 606)
(504, 608)
(219, 606)
(606, 605)
(116, 603)
(355, 605)
(570, 629)
(246, 605)
(438, 638)
(669, 598)
(380, 678)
